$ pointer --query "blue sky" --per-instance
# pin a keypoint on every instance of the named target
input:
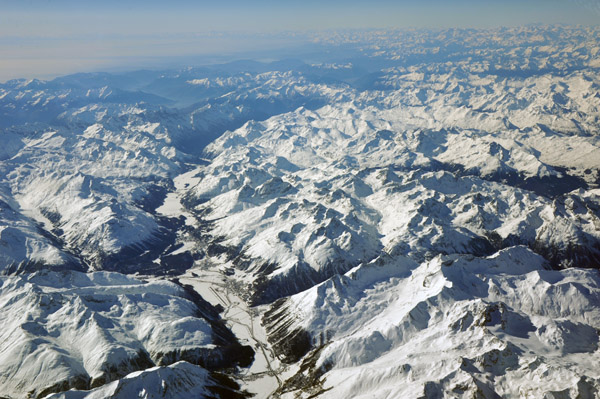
(44, 38)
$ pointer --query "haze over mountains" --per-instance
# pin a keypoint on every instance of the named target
(414, 214)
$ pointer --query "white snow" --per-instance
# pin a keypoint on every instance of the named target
(266, 373)
(177, 381)
(172, 204)
(458, 323)
(68, 326)
(372, 196)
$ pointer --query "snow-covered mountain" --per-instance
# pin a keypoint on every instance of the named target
(313, 193)
(69, 329)
(179, 380)
(409, 214)
(458, 326)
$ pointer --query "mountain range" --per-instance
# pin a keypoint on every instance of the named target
(410, 213)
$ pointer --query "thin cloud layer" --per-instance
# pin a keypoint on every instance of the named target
(48, 38)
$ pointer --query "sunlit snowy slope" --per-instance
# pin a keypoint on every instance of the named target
(409, 214)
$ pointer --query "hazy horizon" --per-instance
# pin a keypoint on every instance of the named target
(44, 39)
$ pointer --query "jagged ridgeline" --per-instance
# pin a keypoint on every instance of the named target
(414, 214)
